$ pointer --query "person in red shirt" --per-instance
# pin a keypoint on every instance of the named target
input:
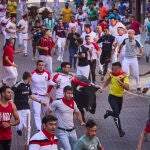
(135, 25)
(8, 62)
(103, 11)
(104, 24)
(7, 110)
(45, 46)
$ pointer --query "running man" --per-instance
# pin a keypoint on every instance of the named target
(64, 110)
(39, 87)
(22, 93)
(108, 42)
(131, 54)
(7, 110)
(119, 82)
(89, 141)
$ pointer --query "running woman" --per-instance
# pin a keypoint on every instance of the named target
(119, 82)
(7, 110)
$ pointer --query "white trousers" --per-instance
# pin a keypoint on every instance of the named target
(23, 41)
(48, 62)
(147, 49)
(4, 37)
(38, 108)
(85, 70)
(99, 64)
(94, 25)
(12, 74)
(25, 118)
(61, 46)
(133, 63)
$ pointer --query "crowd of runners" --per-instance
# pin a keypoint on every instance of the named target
(98, 34)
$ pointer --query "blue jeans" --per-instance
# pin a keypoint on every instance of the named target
(72, 52)
(67, 139)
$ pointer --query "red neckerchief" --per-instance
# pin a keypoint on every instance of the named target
(115, 23)
(89, 31)
(118, 73)
(48, 135)
(69, 103)
(40, 72)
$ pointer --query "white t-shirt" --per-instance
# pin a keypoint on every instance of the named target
(81, 18)
(12, 28)
(64, 80)
(3, 9)
(64, 113)
(114, 29)
(91, 34)
(120, 39)
(4, 21)
(40, 81)
(94, 47)
(23, 24)
(72, 24)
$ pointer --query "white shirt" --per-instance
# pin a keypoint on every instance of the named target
(72, 24)
(64, 80)
(12, 28)
(91, 34)
(81, 18)
(94, 47)
(3, 9)
(23, 24)
(114, 29)
(40, 81)
(41, 138)
(4, 21)
(120, 39)
(63, 113)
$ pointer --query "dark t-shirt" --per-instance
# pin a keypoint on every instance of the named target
(107, 43)
(22, 92)
(37, 33)
(73, 40)
(60, 31)
(83, 61)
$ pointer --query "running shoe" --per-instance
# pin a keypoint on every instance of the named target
(19, 132)
(121, 133)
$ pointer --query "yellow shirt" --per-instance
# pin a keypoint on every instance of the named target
(115, 88)
(66, 14)
(12, 6)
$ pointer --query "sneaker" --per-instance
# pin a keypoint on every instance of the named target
(19, 132)
(145, 90)
(33, 59)
(107, 114)
(102, 78)
(58, 58)
(61, 59)
(139, 90)
(147, 59)
(25, 54)
(121, 133)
